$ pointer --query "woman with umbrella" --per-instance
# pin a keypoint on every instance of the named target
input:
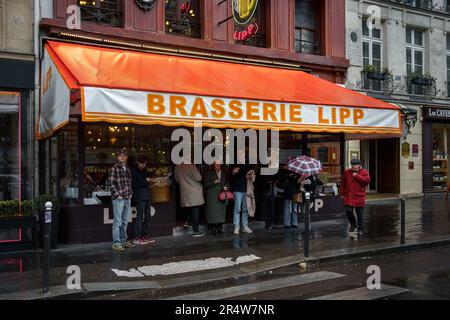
(307, 168)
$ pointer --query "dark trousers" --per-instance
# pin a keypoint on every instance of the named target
(351, 216)
(142, 225)
(195, 216)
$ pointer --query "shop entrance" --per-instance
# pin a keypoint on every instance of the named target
(381, 158)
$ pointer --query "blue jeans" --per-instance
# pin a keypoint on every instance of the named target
(240, 202)
(122, 212)
(290, 213)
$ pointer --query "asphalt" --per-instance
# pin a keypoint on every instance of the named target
(427, 225)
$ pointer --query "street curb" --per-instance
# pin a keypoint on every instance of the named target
(380, 251)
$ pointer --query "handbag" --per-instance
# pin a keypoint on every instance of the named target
(297, 198)
(226, 195)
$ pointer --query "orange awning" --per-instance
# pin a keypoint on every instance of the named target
(172, 86)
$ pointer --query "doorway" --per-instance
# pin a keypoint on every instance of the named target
(382, 159)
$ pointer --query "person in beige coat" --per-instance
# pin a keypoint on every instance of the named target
(191, 192)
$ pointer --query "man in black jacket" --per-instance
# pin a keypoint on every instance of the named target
(141, 197)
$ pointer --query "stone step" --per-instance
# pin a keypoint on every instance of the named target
(262, 286)
(364, 293)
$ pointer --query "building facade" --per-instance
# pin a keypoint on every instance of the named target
(17, 79)
(224, 49)
(399, 52)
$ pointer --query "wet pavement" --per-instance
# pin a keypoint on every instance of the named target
(427, 219)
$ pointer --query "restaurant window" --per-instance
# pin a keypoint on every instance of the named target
(291, 145)
(307, 35)
(441, 144)
(250, 22)
(182, 18)
(10, 147)
(414, 58)
(101, 145)
(327, 149)
(372, 57)
(108, 12)
(68, 160)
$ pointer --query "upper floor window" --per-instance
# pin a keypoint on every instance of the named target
(182, 18)
(372, 46)
(415, 56)
(421, 4)
(307, 36)
(250, 22)
(108, 12)
(373, 72)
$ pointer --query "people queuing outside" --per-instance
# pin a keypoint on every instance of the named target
(119, 183)
(216, 182)
(142, 201)
(191, 192)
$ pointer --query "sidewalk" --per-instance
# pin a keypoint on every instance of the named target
(428, 219)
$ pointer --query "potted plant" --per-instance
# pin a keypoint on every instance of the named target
(39, 209)
(374, 73)
(420, 79)
(13, 217)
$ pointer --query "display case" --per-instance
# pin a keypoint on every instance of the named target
(441, 143)
(440, 173)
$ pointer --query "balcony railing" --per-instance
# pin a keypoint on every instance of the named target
(429, 5)
(109, 12)
(421, 86)
(377, 81)
(308, 47)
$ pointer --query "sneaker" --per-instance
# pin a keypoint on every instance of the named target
(360, 232)
(198, 234)
(287, 227)
(118, 247)
(149, 240)
(352, 231)
(128, 245)
(295, 226)
(186, 225)
(236, 231)
(140, 242)
(247, 230)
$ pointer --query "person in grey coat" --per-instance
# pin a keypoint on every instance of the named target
(216, 181)
(141, 197)
(191, 192)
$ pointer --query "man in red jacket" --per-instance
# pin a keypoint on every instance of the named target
(353, 190)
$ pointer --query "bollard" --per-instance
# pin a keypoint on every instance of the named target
(46, 258)
(307, 204)
(402, 221)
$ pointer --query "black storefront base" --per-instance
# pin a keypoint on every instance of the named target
(27, 225)
(93, 224)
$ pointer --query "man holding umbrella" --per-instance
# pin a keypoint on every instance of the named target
(353, 190)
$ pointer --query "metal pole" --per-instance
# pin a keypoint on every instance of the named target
(307, 204)
(402, 221)
(46, 258)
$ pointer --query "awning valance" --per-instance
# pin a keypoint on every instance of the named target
(122, 86)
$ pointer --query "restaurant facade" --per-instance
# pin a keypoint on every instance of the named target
(130, 78)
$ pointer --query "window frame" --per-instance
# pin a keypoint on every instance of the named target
(415, 48)
(97, 5)
(371, 40)
(316, 31)
(177, 16)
